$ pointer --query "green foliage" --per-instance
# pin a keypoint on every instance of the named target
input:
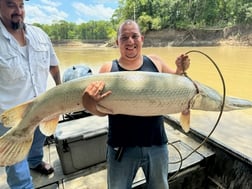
(156, 15)
(185, 13)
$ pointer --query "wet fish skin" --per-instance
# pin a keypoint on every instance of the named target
(133, 93)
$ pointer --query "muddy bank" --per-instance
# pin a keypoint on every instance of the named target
(237, 35)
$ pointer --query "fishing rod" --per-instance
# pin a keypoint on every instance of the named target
(217, 121)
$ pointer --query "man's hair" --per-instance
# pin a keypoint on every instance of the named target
(128, 21)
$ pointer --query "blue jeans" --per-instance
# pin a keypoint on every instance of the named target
(153, 160)
(18, 175)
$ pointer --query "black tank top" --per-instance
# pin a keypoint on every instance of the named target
(126, 130)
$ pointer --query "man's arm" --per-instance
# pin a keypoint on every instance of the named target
(55, 72)
(182, 62)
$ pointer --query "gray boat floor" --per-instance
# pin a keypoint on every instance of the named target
(95, 177)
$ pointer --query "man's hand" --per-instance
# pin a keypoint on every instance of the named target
(92, 95)
(183, 63)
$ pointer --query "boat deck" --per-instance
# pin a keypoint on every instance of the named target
(94, 177)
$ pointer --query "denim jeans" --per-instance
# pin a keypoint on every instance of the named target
(18, 175)
(153, 160)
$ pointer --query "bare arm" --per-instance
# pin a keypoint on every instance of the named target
(182, 63)
(106, 67)
(55, 72)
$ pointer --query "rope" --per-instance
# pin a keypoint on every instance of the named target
(219, 116)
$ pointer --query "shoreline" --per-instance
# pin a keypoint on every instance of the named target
(228, 42)
(230, 36)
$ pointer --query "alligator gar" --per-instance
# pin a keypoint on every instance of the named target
(133, 93)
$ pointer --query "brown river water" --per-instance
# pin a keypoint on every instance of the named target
(235, 128)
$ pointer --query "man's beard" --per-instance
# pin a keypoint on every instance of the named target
(17, 25)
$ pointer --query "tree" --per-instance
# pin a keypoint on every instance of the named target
(156, 15)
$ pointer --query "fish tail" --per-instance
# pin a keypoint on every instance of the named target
(233, 103)
(13, 116)
(14, 148)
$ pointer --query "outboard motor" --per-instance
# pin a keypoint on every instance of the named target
(75, 72)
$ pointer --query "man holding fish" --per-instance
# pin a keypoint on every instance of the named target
(134, 141)
(26, 58)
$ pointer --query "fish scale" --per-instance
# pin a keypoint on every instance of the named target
(133, 93)
(149, 94)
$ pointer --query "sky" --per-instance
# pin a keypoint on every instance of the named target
(76, 11)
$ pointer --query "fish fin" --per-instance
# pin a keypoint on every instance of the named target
(185, 120)
(14, 147)
(13, 116)
(48, 127)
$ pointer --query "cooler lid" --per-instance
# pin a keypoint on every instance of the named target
(85, 127)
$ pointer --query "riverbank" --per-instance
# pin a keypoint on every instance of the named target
(230, 36)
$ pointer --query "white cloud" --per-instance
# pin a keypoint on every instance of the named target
(80, 21)
(44, 14)
(95, 12)
(49, 11)
(51, 3)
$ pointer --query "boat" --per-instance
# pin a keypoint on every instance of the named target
(212, 165)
